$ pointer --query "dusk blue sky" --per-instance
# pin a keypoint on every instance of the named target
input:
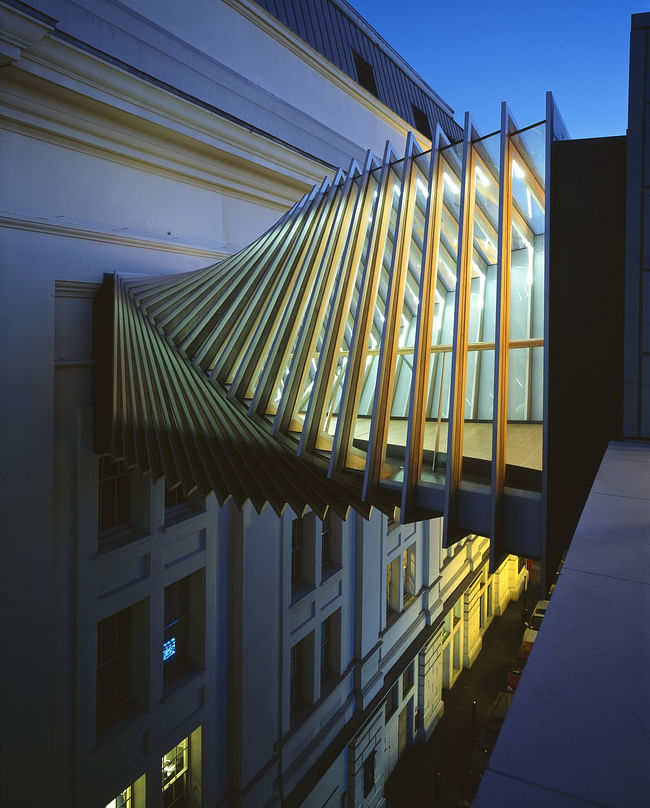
(477, 54)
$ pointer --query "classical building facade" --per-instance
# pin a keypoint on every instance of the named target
(166, 649)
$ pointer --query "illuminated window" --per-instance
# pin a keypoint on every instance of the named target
(408, 573)
(176, 775)
(114, 511)
(365, 73)
(123, 800)
(392, 587)
(114, 643)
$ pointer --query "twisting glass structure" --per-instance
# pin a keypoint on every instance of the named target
(381, 346)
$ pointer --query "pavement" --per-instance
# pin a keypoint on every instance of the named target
(446, 771)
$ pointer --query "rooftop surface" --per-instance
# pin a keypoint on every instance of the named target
(578, 729)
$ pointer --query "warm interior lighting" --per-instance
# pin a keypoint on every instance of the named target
(454, 186)
(422, 188)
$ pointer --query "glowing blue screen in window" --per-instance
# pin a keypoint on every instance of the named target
(169, 649)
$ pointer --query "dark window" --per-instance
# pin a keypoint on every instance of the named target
(174, 497)
(113, 668)
(391, 700)
(176, 776)
(325, 647)
(114, 496)
(301, 682)
(369, 773)
(175, 650)
(297, 554)
(330, 645)
(297, 672)
(178, 506)
(365, 74)
(408, 678)
(421, 121)
(326, 538)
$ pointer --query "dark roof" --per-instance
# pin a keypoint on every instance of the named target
(341, 35)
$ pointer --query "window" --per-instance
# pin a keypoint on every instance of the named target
(392, 700)
(369, 773)
(330, 645)
(297, 554)
(123, 800)
(365, 73)
(114, 511)
(175, 632)
(457, 612)
(392, 524)
(178, 506)
(176, 775)
(421, 121)
(408, 573)
(302, 675)
(114, 643)
(303, 561)
(330, 545)
(133, 796)
(408, 678)
(392, 587)
(326, 540)
(183, 627)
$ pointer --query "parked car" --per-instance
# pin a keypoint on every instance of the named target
(512, 679)
(495, 718)
(535, 621)
(524, 650)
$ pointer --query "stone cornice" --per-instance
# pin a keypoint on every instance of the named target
(178, 139)
(18, 31)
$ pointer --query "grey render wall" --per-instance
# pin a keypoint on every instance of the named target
(637, 271)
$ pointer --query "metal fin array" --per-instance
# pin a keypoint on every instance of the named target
(356, 354)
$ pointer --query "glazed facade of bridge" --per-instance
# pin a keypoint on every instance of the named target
(381, 346)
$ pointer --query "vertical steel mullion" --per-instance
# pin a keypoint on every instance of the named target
(459, 349)
(358, 348)
(419, 402)
(317, 304)
(501, 338)
(377, 437)
(336, 323)
(232, 344)
(287, 327)
(255, 341)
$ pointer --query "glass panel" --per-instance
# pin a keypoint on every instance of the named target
(526, 352)
(368, 380)
(442, 329)
(402, 370)
(479, 374)
(332, 401)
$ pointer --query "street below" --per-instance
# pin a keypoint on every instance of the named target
(446, 771)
